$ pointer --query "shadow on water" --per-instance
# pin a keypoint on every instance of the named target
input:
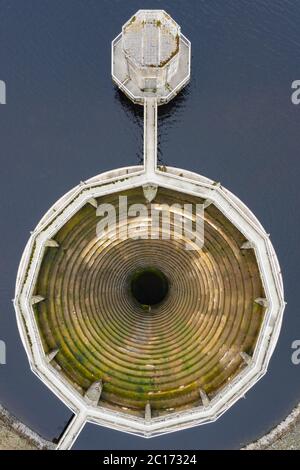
(56, 439)
(168, 115)
(135, 114)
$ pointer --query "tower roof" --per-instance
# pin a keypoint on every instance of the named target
(151, 38)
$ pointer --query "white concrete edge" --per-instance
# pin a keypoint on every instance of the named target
(182, 420)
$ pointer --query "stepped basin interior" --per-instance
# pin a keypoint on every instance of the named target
(189, 340)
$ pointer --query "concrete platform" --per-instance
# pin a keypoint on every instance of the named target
(122, 80)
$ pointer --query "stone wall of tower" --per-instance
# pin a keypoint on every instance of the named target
(152, 78)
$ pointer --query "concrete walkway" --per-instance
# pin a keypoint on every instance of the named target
(150, 135)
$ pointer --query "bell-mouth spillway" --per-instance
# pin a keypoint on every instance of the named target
(188, 344)
(149, 286)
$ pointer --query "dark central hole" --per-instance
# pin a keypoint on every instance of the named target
(149, 286)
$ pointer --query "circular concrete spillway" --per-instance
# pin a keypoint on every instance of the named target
(163, 355)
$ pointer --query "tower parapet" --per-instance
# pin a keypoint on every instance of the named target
(151, 57)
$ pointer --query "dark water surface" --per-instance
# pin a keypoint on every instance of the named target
(64, 122)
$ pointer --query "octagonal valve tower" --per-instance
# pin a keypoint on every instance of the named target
(151, 47)
(150, 57)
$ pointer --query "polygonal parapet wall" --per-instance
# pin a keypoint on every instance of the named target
(151, 46)
(187, 346)
(151, 57)
(242, 300)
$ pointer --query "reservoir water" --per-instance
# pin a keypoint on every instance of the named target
(64, 121)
